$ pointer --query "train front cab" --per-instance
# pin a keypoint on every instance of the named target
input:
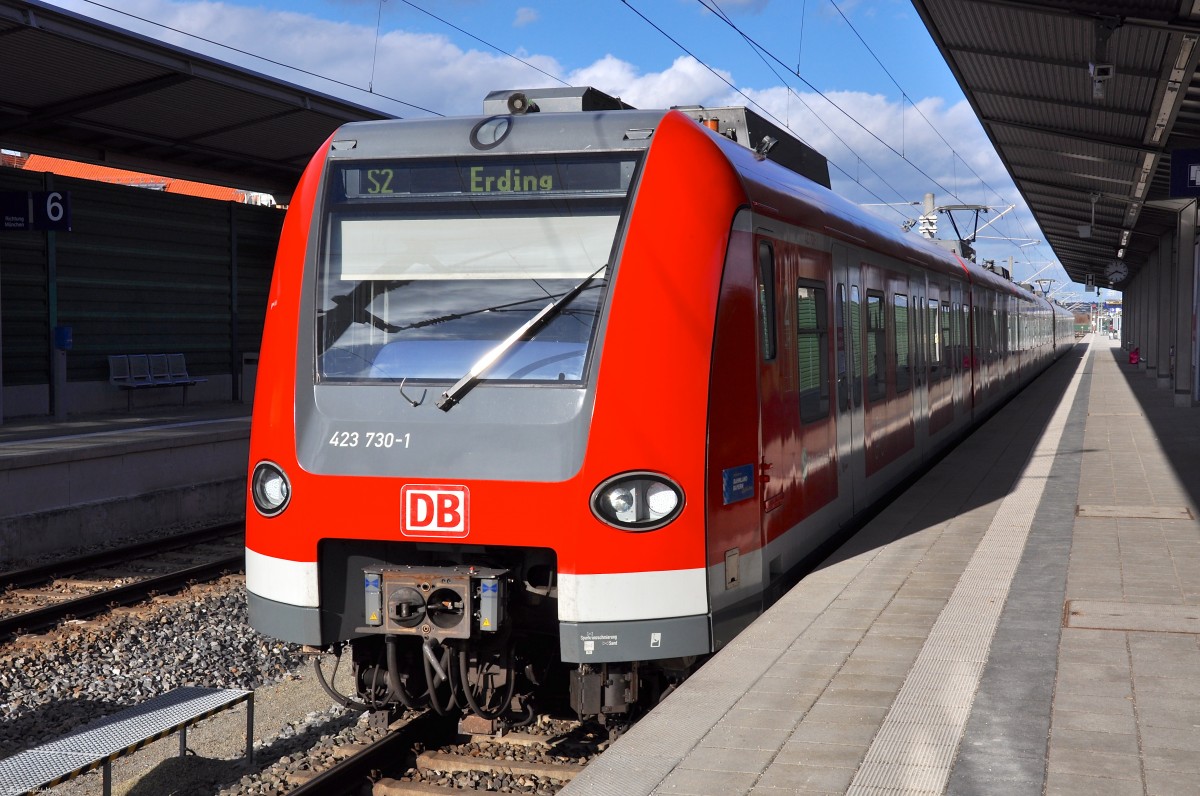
(615, 594)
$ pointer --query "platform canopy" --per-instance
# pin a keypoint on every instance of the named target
(76, 88)
(1088, 104)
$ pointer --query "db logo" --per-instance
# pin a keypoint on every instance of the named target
(429, 510)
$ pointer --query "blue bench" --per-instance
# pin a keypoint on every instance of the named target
(131, 372)
(118, 735)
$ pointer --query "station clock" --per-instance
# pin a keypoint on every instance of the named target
(1116, 272)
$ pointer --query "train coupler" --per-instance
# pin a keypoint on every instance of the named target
(435, 603)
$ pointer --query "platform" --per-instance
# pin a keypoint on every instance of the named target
(81, 480)
(1023, 620)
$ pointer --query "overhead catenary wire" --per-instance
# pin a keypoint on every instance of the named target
(375, 50)
(484, 42)
(792, 93)
(722, 78)
(711, 6)
(249, 54)
(761, 50)
(1003, 199)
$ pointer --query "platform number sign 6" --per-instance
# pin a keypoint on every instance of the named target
(56, 208)
(48, 211)
(52, 210)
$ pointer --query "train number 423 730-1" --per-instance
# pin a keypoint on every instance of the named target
(369, 439)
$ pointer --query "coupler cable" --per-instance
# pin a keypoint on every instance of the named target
(432, 682)
(393, 674)
(463, 675)
(341, 699)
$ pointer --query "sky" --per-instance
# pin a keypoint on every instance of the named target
(859, 80)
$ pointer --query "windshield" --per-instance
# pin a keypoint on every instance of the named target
(426, 266)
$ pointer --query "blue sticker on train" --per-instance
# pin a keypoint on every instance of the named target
(737, 483)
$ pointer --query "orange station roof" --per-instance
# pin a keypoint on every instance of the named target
(88, 171)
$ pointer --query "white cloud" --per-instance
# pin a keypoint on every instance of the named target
(685, 82)
(525, 16)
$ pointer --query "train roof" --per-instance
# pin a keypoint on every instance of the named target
(779, 172)
(611, 125)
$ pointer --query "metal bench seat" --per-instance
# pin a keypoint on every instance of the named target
(132, 371)
(120, 734)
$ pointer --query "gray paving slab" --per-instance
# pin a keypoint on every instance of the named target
(1183, 738)
(787, 777)
(696, 782)
(820, 754)
(1170, 783)
(736, 761)
(769, 738)
(1095, 722)
(1086, 762)
(1060, 783)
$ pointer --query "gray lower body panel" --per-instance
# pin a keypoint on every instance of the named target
(288, 622)
(639, 640)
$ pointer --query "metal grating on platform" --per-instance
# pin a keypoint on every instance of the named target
(115, 736)
(914, 749)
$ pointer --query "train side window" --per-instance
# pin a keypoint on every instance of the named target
(876, 348)
(935, 340)
(839, 324)
(948, 341)
(903, 344)
(996, 327)
(982, 340)
(766, 299)
(964, 336)
(856, 368)
(812, 351)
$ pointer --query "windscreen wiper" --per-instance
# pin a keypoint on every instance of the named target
(453, 395)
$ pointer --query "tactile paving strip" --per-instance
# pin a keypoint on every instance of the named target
(914, 750)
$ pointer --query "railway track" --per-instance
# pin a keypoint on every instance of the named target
(38, 598)
(424, 756)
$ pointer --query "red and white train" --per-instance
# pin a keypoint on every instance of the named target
(573, 382)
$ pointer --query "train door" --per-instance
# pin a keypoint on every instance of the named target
(958, 350)
(776, 415)
(901, 418)
(847, 311)
(773, 404)
(920, 393)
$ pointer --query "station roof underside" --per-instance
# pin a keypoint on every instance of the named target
(1085, 103)
(76, 88)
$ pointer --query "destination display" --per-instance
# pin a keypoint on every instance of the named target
(526, 176)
